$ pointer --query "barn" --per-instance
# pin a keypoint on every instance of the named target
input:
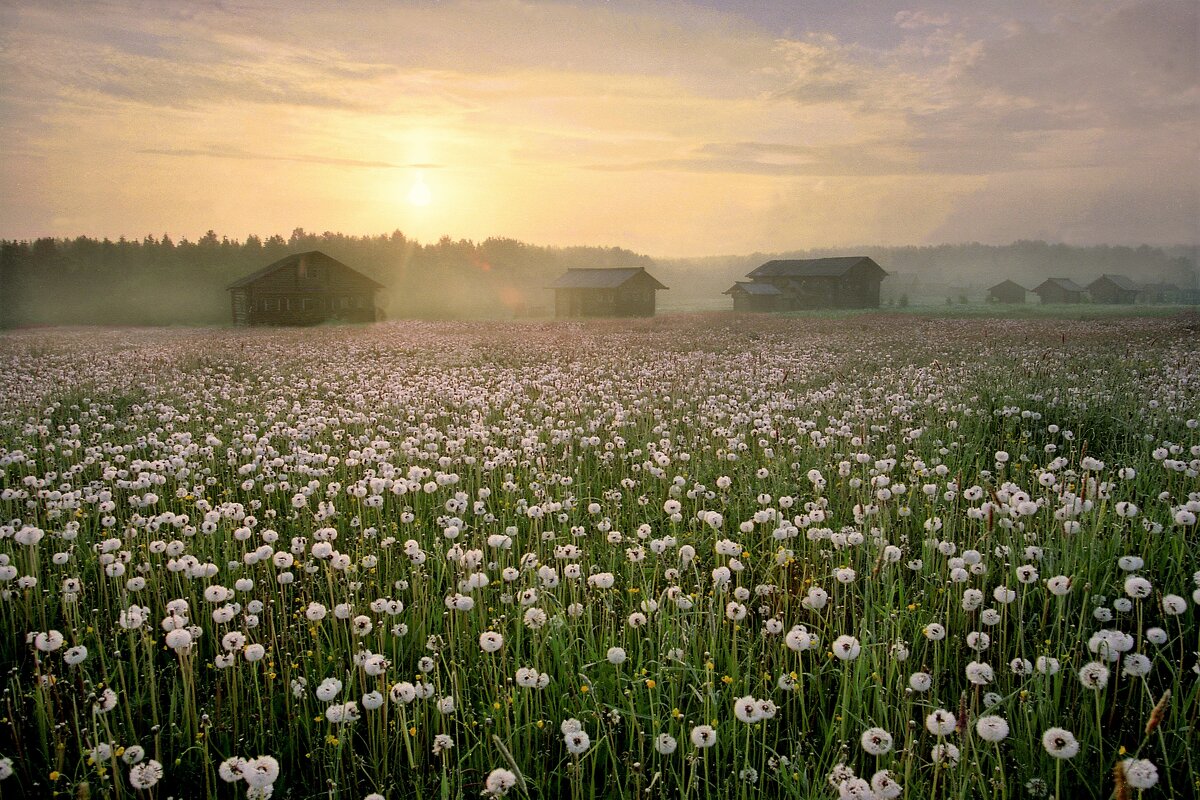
(1114, 290)
(749, 296)
(1060, 290)
(605, 292)
(304, 289)
(847, 282)
(1006, 292)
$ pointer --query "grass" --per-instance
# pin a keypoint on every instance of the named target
(676, 488)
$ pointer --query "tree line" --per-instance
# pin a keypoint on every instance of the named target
(160, 281)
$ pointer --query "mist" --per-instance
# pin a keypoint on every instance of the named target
(157, 281)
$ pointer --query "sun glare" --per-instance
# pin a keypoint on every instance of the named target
(419, 194)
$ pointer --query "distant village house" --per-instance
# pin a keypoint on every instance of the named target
(1060, 290)
(792, 284)
(1114, 290)
(304, 289)
(1006, 292)
(605, 292)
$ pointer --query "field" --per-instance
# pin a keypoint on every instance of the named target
(878, 556)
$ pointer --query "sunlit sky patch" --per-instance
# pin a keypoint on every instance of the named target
(675, 128)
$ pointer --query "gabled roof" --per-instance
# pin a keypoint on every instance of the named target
(1120, 281)
(314, 256)
(764, 289)
(813, 267)
(604, 278)
(1007, 285)
(1066, 284)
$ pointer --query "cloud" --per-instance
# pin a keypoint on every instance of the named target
(643, 124)
(244, 155)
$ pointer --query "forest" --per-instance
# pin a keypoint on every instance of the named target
(162, 281)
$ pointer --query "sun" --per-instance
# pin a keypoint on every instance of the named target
(419, 194)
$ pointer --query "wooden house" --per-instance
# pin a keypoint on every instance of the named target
(1006, 292)
(1060, 290)
(605, 292)
(750, 296)
(1114, 289)
(304, 289)
(848, 282)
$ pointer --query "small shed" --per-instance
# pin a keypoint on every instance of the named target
(605, 292)
(304, 289)
(1114, 290)
(1006, 292)
(844, 282)
(749, 296)
(1060, 290)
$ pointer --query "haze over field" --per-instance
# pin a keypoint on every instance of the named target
(670, 128)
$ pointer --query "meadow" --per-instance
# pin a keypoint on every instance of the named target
(878, 556)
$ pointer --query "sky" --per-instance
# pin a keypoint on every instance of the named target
(673, 128)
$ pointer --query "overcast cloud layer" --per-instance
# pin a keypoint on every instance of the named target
(671, 127)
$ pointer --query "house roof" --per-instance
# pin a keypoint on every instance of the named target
(1007, 285)
(1120, 281)
(603, 278)
(313, 255)
(1066, 284)
(812, 267)
(764, 289)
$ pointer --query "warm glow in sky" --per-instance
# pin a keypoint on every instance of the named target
(673, 128)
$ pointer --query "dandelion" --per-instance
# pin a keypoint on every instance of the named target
(499, 782)
(1060, 743)
(876, 741)
(703, 736)
(1094, 675)
(145, 775)
(945, 753)
(885, 785)
(665, 744)
(991, 728)
(577, 742)
(746, 709)
(941, 722)
(846, 647)
(1140, 773)
(490, 641)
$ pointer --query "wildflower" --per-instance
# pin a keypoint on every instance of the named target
(577, 742)
(1060, 743)
(885, 786)
(941, 722)
(616, 655)
(1094, 675)
(498, 782)
(490, 641)
(75, 655)
(920, 681)
(703, 736)
(945, 753)
(442, 744)
(1140, 773)
(991, 728)
(665, 744)
(876, 741)
(746, 709)
(260, 772)
(846, 648)
(980, 673)
(230, 769)
(145, 776)
(49, 641)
